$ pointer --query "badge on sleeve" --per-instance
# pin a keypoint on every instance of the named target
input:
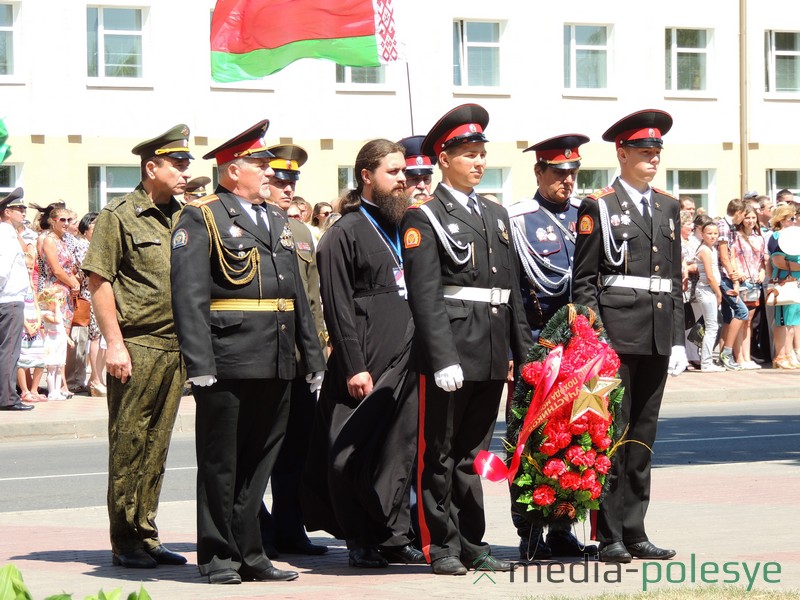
(412, 238)
(179, 238)
(586, 225)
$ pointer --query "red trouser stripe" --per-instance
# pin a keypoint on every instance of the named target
(424, 532)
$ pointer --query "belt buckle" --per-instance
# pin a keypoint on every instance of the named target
(655, 284)
(281, 304)
(495, 296)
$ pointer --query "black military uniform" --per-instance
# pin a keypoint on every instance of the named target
(462, 277)
(629, 271)
(240, 309)
(544, 232)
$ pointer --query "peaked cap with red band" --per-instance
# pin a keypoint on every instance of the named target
(642, 129)
(287, 162)
(248, 144)
(561, 151)
(461, 125)
(417, 163)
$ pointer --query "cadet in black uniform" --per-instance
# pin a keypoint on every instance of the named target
(462, 277)
(543, 230)
(628, 269)
(240, 310)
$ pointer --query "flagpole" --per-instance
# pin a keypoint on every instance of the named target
(410, 106)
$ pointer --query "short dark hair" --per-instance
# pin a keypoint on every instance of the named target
(86, 221)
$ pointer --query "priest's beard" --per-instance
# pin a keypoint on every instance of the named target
(391, 205)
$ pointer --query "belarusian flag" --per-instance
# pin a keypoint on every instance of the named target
(254, 38)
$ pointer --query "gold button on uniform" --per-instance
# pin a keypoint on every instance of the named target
(494, 269)
(658, 305)
(655, 248)
(656, 268)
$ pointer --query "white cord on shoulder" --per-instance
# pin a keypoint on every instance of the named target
(608, 241)
(528, 258)
(447, 242)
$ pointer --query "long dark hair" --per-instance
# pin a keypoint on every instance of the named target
(369, 158)
(44, 213)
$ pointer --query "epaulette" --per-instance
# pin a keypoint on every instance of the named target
(575, 201)
(600, 193)
(523, 207)
(204, 200)
(418, 203)
(115, 203)
(655, 189)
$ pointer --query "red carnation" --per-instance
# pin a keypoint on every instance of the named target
(602, 464)
(549, 448)
(570, 481)
(589, 457)
(588, 479)
(579, 425)
(544, 495)
(554, 467)
(595, 490)
(574, 455)
(531, 372)
(581, 328)
(603, 443)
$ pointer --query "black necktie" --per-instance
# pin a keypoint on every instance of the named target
(472, 206)
(646, 214)
(262, 224)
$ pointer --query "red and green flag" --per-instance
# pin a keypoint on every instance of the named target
(254, 38)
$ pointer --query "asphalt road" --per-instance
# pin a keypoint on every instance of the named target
(72, 473)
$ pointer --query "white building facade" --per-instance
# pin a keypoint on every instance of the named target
(82, 83)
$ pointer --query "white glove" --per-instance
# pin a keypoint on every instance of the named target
(314, 381)
(203, 380)
(677, 361)
(450, 378)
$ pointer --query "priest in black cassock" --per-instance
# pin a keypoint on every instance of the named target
(364, 439)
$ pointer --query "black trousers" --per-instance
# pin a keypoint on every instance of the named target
(11, 319)
(240, 425)
(622, 511)
(285, 525)
(453, 428)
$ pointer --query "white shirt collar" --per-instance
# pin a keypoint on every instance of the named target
(635, 194)
(463, 198)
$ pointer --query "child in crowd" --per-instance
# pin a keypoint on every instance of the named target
(709, 295)
(56, 339)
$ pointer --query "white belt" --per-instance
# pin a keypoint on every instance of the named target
(653, 284)
(494, 296)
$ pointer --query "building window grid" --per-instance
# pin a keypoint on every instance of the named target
(346, 179)
(590, 180)
(109, 182)
(493, 182)
(7, 18)
(115, 39)
(360, 75)
(8, 179)
(697, 183)
(687, 58)
(782, 55)
(782, 179)
(587, 55)
(476, 53)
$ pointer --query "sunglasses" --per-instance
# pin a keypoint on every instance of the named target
(324, 214)
(296, 216)
(66, 219)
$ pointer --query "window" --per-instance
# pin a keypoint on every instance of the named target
(686, 65)
(697, 184)
(492, 183)
(590, 180)
(360, 74)
(107, 183)
(476, 53)
(6, 39)
(782, 50)
(586, 56)
(778, 180)
(8, 179)
(115, 42)
(347, 179)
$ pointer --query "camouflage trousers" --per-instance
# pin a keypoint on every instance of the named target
(141, 415)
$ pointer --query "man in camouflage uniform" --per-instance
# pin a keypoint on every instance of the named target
(128, 265)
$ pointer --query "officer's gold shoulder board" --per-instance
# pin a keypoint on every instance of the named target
(412, 238)
(204, 200)
(419, 202)
(655, 189)
(585, 225)
(600, 193)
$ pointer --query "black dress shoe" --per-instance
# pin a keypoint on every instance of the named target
(614, 553)
(224, 577)
(299, 547)
(404, 555)
(487, 562)
(564, 543)
(137, 559)
(268, 574)
(165, 556)
(367, 557)
(448, 565)
(647, 549)
(18, 406)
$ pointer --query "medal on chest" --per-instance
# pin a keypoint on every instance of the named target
(287, 241)
(503, 231)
